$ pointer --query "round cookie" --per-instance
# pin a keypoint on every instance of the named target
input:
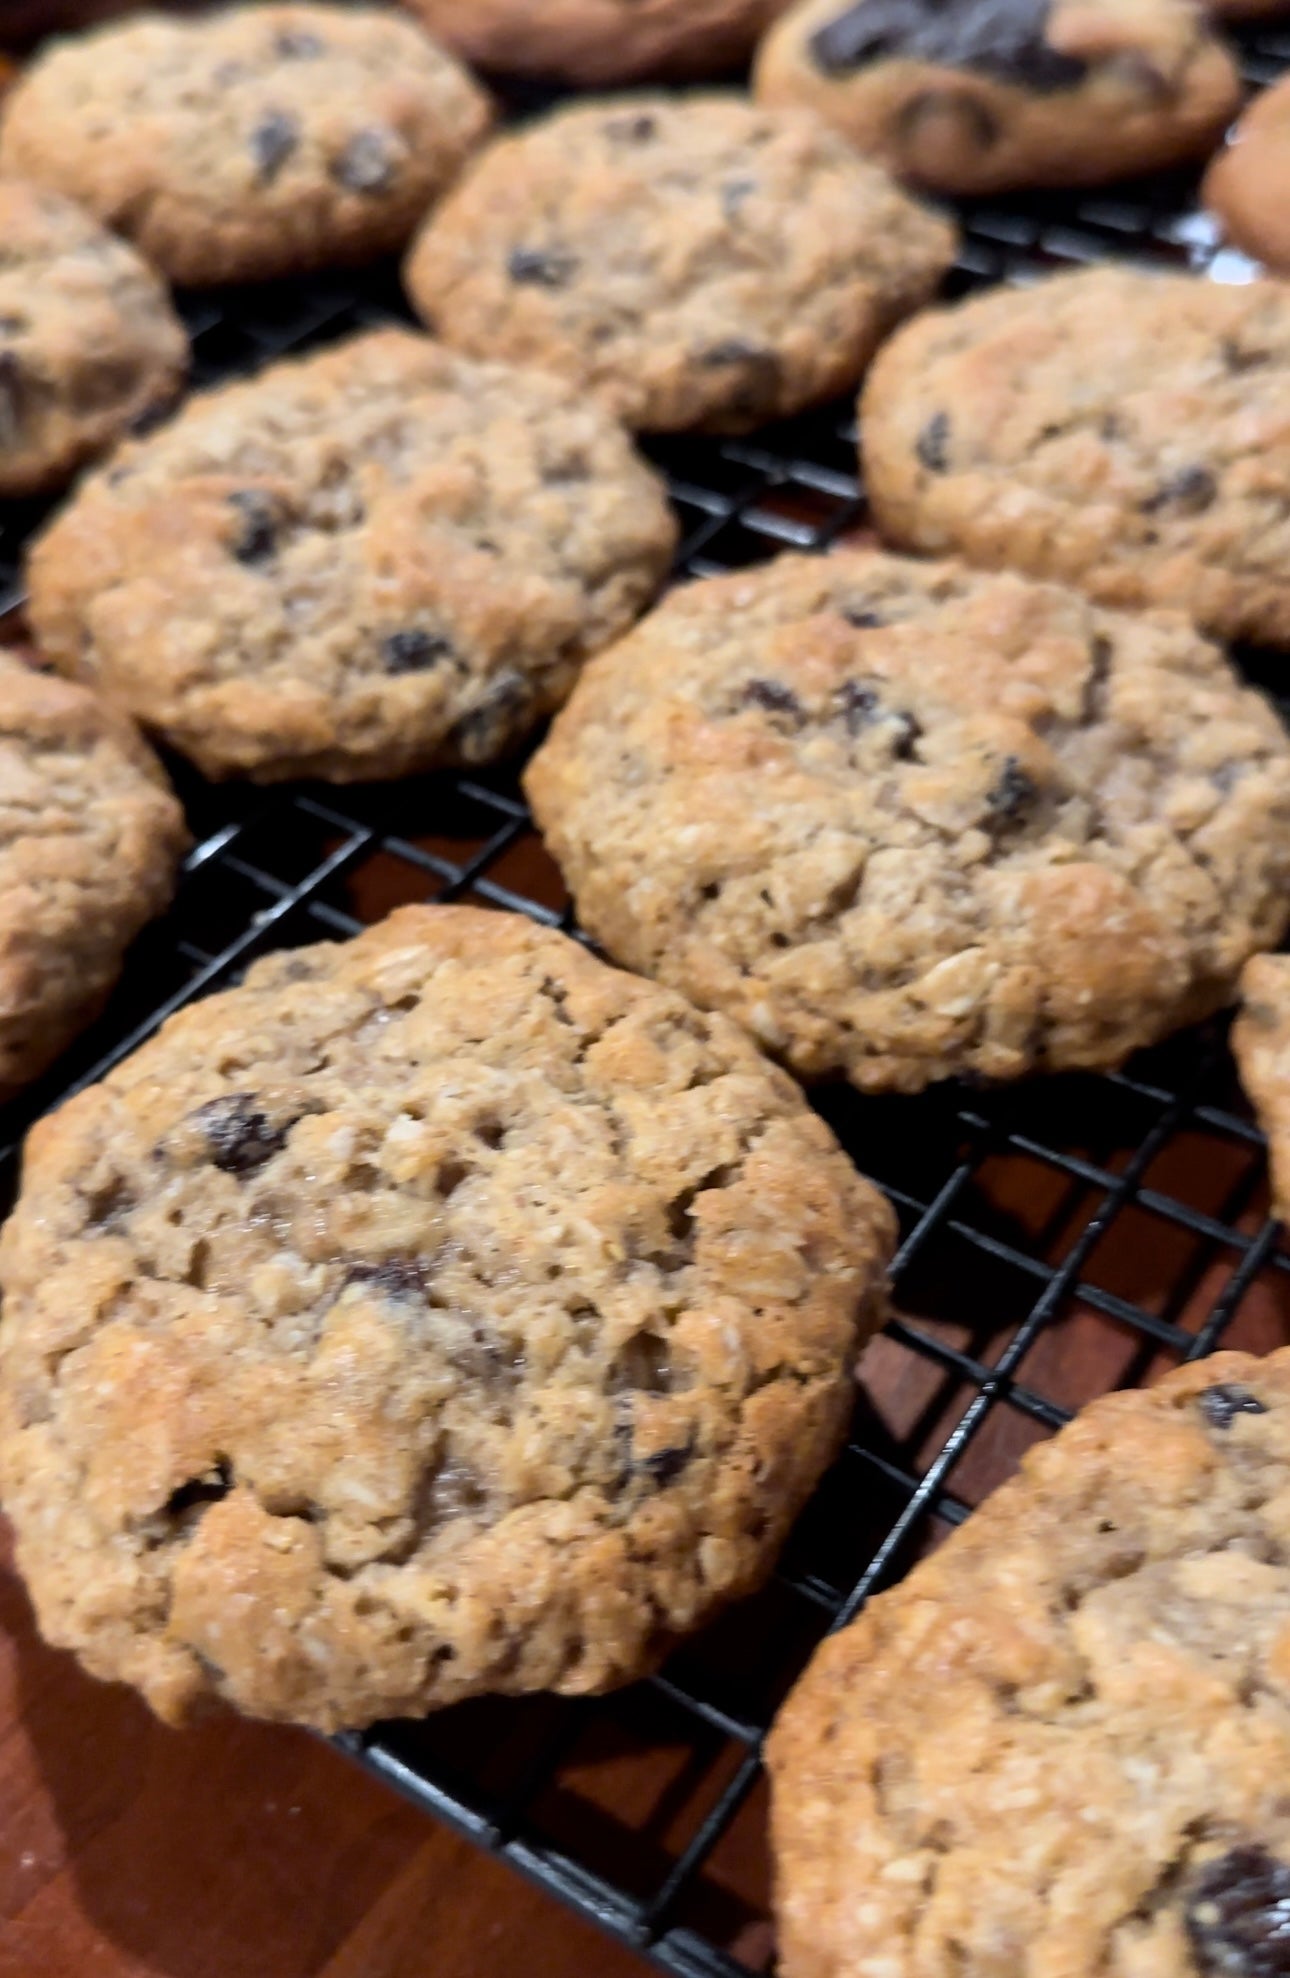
(1125, 432)
(985, 95)
(360, 563)
(251, 142)
(695, 260)
(88, 340)
(1061, 1745)
(600, 42)
(1248, 184)
(90, 841)
(906, 821)
(1261, 1042)
(436, 1314)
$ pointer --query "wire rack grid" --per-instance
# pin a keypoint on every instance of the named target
(1057, 1240)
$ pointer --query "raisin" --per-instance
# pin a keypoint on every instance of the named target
(1189, 492)
(931, 444)
(298, 45)
(999, 38)
(733, 350)
(1238, 1916)
(367, 162)
(489, 728)
(240, 1138)
(863, 617)
(398, 1277)
(208, 1489)
(257, 537)
(930, 106)
(536, 267)
(773, 696)
(857, 705)
(665, 1464)
(632, 130)
(1223, 1402)
(413, 651)
(273, 140)
(1013, 794)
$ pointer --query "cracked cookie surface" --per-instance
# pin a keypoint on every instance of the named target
(1125, 432)
(1062, 1742)
(600, 42)
(697, 261)
(90, 841)
(440, 1313)
(88, 339)
(906, 820)
(985, 95)
(250, 142)
(368, 561)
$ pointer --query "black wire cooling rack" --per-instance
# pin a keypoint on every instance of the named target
(1058, 1239)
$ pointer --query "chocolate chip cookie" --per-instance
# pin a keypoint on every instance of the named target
(1261, 1041)
(90, 841)
(1248, 184)
(440, 1313)
(905, 821)
(599, 42)
(696, 261)
(1126, 432)
(88, 340)
(360, 563)
(256, 141)
(984, 95)
(1062, 1743)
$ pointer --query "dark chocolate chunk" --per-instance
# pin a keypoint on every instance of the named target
(973, 120)
(665, 1464)
(932, 442)
(1003, 39)
(1222, 1403)
(631, 130)
(367, 163)
(397, 1277)
(864, 618)
(773, 696)
(240, 1138)
(413, 651)
(1188, 492)
(1238, 1916)
(857, 705)
(297, 44)
(908, 732)
(257, 536)
(208, 1489)
(538, 267)
(1013, 794)
(273, 140)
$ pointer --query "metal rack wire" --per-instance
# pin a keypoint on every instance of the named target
(1058, 1239)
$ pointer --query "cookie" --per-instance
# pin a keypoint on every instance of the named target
(90, 841)
(987, 95)
(1125, 432)
(696, 261)
(1261, 1042)
(439, 1313)
(906, 821)
(600, 42)
(360, 563)
(1248, 184)
(1061, 1744)
(88, 340)
(251, 142)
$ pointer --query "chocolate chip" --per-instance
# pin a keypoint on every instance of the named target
(537, 267)
(1238, 1916)
(733, 350)
(631, 130)
(367, 163)
(413, 651)
(397, 1277)
(1013, 794)
(298, 45)
(932, 442)
(755, 375)
(239, 1137)
(208, 1489)
(863, 617)
(257, 537)
(999, 38)
(273, 140)
(773, 696)
(972, 120)
(1222, 1403)
(482, 734)
(13, 388)
(665, 1464)
(1189, 492)
(857, 705)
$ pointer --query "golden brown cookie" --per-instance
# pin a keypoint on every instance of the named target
(600, 42)
(435, 1314)
(1261, 1041)
(1248, 184)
